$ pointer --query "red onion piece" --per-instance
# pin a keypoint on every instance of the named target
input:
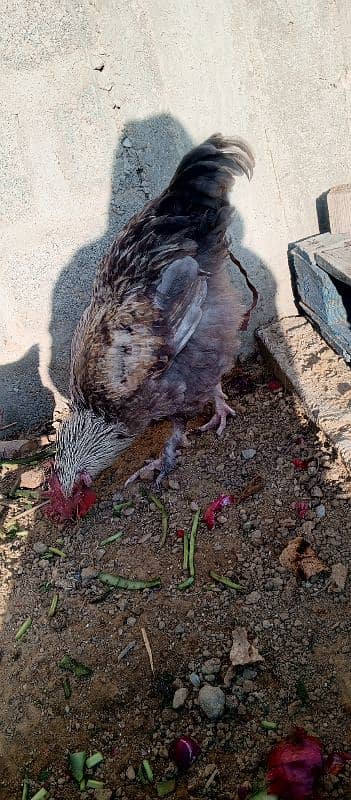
(299, 463)
(184, 751)
(209, 517)
(294, 766)
(336, 763)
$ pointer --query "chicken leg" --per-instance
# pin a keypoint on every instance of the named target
(169, 458)
(222, 411)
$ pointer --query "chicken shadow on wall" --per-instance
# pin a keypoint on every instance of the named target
(145, 158)
(148, 152)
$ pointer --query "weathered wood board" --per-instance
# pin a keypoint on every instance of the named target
(321, 272)
(319, 376)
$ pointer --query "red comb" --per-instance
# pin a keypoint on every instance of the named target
(63, 508)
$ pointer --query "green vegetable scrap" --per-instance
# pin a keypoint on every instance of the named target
(145, 773)
(189, 543)
(226, 581)
(23, 629)
(77, 765)
(91, 784)
(94, 760)
(42, 794)
(125, 583)
(57, 552)
(186, 584)
(53, 606)
(71, 665)
(268, 726)
(164, 517)
(186, 551)
(192, 542)
(67, 688)
(165, 788)
(113, 538)
(119, 507)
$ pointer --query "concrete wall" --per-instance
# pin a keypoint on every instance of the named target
(274, 71)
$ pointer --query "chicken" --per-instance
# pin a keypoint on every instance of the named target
(161, 328)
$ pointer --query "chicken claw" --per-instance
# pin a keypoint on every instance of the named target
(222, 411)
(150, 465)
(169, 459)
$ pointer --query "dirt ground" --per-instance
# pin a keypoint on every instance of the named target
(300, 627)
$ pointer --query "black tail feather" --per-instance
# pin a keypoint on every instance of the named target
(207, 174)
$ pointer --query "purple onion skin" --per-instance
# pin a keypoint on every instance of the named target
(184, 751)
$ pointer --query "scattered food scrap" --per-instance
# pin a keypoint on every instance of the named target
(242, 651)
(23, 629)
(300, 558)
(164, 517)
(338, 576)
(184, 751)
(118, 582)
(78, 670)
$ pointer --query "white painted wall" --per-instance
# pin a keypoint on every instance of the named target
(276, 72)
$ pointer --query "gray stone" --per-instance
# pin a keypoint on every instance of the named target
(316, 491)
(320, 511)
(130, 773)
(173, 484)
(211, 701)
(195, 680)
(179, 698)
(249, 453)
(88, 574)
(211, 666)
(180, 629)
(40, 548)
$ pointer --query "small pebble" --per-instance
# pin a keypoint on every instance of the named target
(127, 143)
(339, 575)
(173, 484)
(249, 453)
(211, 666)
(179, 698)
(253, 597)
(316, 491)
(40, 548)
(131, 621)
(211, 701)
(87, 574)
(130, 773)
(128, 512)
(180, 629)
(32, 479)
(195, 680)
(194, 506)
(320, 511)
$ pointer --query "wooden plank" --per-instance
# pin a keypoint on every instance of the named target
(336, 261)
(339, 208)
(319, 376)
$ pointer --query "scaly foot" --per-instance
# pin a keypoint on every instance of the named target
(143, 471)
(222, 411)
(169, 458)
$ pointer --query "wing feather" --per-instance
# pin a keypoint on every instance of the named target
(116, 348)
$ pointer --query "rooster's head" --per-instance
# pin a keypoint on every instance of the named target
(86, 445)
